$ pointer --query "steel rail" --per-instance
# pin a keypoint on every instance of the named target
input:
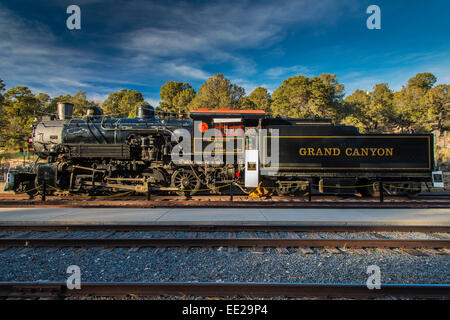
(224, 227)
(212, 289)
(217, 242)
(224, 204)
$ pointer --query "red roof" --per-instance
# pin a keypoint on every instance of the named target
(228, 110)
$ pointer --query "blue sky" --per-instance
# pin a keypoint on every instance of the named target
(142, 44)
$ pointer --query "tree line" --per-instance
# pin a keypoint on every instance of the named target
(419, 106)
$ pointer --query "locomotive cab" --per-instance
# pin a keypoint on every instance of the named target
(235, 134)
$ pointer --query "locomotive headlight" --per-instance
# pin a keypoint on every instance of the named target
(202, 127)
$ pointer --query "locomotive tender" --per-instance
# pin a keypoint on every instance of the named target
(216, 148)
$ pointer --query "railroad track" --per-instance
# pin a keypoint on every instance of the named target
(247, 227)
(239, 202)
(231, 242)
(278, 240)
(276, 236)
(117, 289)
(227, 204)
(280, 237)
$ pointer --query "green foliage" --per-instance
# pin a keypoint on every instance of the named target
(2, 89)
(80, 104)
(79, 101)
(357, 104)
(182, 100)
(122, 104)
(422, 80)
(437, 100)
(326, 96)
(420, 105)
(19, 109)
(380, 109)
(218, 92)
(44, 101)
(410, 106)
(291, 98)
(2, 100)
(301, 97)
(259, 99)
(443, 156)
(176, 96)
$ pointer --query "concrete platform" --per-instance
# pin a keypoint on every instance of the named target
(224, 216)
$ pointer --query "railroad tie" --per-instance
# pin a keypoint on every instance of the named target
(382, 237)
(432, 251)
(232, 249)
(415, 252)
(386, 250)
(439, 235)
(257, 250)
(293, 235)
(358, 251)
(306, 250)
(279, 250)
(334, 250)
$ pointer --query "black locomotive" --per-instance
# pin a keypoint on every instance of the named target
(217, 148)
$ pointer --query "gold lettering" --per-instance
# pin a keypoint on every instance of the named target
(348, 152)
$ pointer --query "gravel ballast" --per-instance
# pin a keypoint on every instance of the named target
(219, 264)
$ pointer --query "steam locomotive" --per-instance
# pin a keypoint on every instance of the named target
(218, 148)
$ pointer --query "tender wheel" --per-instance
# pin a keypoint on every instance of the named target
(33, 192)
(185, 179)
(302, 189)
(414, 189)
(285, 188)
(368, 188)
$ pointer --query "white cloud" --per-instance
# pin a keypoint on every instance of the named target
(284, 72)
(153, 102)
(217, 31)
(153, 42)
(186, 71)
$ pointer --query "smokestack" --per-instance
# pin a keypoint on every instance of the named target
(65, 111)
